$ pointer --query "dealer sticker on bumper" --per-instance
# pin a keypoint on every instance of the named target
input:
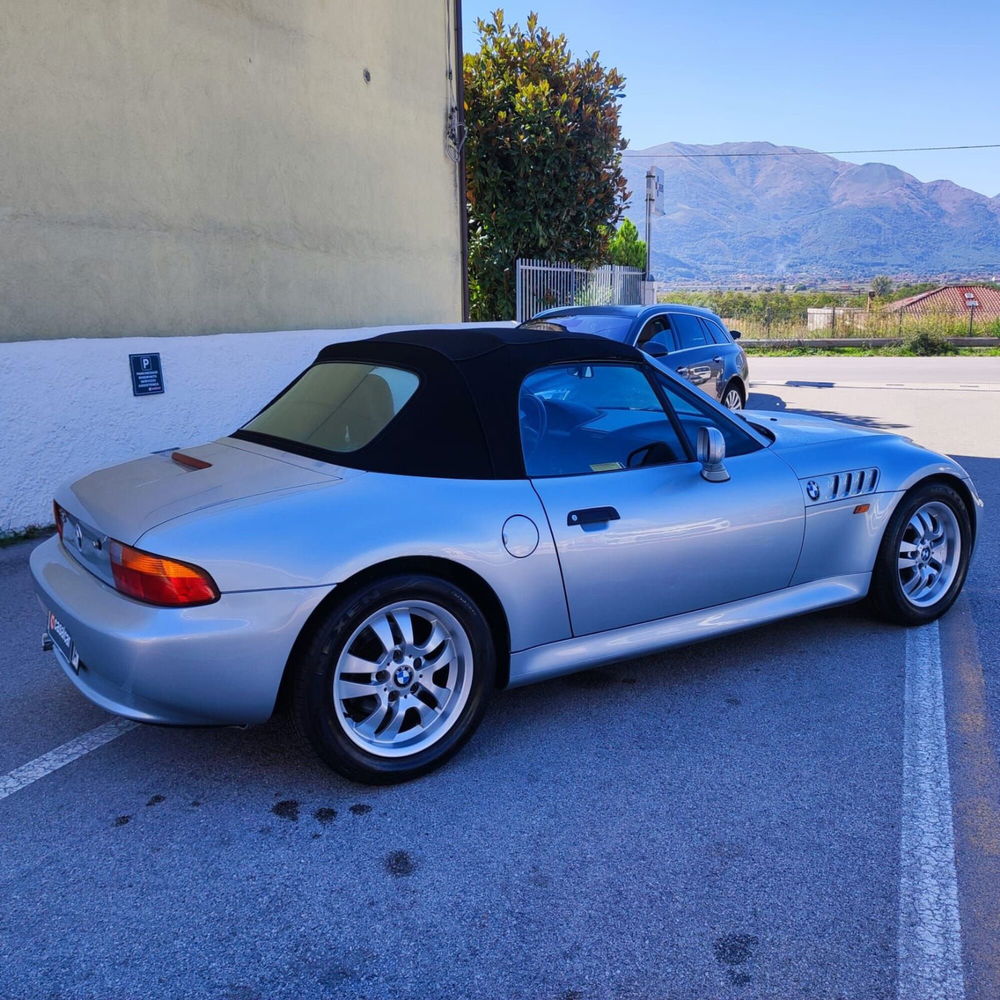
(62, 641)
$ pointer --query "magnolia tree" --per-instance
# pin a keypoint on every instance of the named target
(543, 157)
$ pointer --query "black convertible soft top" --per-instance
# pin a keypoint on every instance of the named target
(462, 421)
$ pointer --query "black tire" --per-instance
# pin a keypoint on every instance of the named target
(314, 707)
(886, 595)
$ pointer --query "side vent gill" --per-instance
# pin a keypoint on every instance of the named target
(840, 485)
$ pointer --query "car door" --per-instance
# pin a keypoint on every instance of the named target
(698, 358)
(639, 533)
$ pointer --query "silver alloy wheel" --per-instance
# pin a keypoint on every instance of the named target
(929, 554)
(732, 399)
(403, 678)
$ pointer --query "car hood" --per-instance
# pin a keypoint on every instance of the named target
(796, 430)
(124, 501)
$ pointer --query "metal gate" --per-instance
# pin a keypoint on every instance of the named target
(546, 284)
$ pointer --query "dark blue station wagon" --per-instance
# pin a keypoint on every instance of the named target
(694, 342)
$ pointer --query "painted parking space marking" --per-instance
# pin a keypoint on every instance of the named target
(930, 943)
(28, 773)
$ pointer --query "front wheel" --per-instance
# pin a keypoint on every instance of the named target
(924, 557)
(395, 680)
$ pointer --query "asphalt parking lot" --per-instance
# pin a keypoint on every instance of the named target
(741, 819)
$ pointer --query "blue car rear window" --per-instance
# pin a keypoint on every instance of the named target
(615, 327)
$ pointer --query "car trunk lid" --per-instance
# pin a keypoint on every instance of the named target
(126, 500)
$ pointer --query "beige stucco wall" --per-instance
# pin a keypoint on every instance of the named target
(195, 166)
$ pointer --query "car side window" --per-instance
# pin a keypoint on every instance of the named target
(718, 334)
(693, 413)
(578, 419)
(688, 330)
(657, 331)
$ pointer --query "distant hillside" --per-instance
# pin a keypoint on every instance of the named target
(811, 216)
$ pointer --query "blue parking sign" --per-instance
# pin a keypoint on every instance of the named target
(147, 374)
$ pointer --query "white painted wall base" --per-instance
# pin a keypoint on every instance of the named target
(67, 405)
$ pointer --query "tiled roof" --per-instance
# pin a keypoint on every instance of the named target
(950, 300)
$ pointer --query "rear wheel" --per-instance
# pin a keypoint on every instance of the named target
(395, 680)
(924, 556)
(733, 398)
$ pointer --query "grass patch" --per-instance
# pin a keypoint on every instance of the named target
(899, 351)
(9, 537)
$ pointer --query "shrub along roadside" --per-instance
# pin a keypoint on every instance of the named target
(895, 351)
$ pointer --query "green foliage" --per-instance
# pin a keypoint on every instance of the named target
(895, 351)
(905, 291)
(8, 536)
(782, 316)
(764, 307)
(881, 286)
(927, 343)
(543, 157)
(781, 306)
(625, 248)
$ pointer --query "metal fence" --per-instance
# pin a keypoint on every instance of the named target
(546, 284)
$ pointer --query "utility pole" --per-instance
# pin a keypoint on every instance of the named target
(650, 198)
(654, 206)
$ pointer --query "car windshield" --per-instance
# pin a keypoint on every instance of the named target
(603, 324)
(337, 406)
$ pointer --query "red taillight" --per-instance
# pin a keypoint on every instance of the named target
(158, 580)
(57, 516)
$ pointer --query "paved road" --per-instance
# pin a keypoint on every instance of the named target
(721, 822)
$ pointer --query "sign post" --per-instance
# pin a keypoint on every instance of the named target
(970, 303)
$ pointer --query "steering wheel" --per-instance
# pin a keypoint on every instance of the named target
(534, 421)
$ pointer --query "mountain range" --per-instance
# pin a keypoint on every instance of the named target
(733, 217)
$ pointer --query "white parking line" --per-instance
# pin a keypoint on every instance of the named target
(930, 940)
(922, 386)
(24, 775)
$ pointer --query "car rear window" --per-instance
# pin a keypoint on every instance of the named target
(718, 334)
(613, 327)
(338, 406)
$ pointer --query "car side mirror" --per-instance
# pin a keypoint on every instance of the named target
(735, 334)
(711, 453)
(655, 350)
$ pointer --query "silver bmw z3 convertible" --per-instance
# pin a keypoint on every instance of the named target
(424, 517)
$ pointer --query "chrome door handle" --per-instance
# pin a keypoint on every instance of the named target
(682, 371)
(592, 515)
(718, 361)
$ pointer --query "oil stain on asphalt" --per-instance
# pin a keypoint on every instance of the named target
(734, 950)
(287, 809)
(400, 863)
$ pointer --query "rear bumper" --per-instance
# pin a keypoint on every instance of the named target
(219, 664)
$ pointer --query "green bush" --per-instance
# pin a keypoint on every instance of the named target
(927, 344)
(543, 157)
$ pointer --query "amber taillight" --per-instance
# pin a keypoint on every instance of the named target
(158, 580)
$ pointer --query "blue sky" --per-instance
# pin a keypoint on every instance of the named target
(849, 75)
